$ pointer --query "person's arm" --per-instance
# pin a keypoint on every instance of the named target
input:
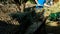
(36, 1)
(46, 5)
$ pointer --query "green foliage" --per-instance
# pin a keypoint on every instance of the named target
(32, 1)
(58, 14)
(3, 1)
(54, 16)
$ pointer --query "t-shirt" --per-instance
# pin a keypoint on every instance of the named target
(41, 2)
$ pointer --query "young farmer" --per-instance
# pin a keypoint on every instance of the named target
(40, 5)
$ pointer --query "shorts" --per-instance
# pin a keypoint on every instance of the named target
(39, 6)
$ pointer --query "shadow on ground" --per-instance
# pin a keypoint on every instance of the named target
(7, 28)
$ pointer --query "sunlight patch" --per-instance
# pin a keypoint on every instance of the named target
(52, 24)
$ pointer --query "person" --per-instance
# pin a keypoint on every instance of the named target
(40, 5)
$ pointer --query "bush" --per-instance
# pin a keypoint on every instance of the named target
(54, 16)
(32, 1)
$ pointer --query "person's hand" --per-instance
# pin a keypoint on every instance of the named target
(46, 5)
